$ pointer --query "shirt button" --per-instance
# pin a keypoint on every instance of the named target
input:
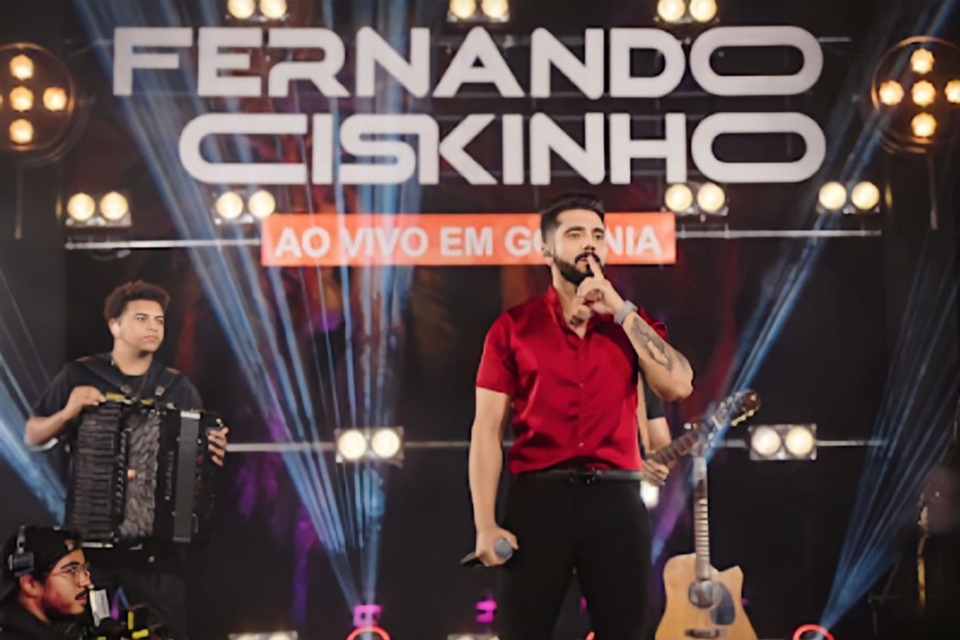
(581, 385)
(580, 445)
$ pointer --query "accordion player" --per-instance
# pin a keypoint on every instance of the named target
(142, 472)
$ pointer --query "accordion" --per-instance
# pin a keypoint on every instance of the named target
(141, 473)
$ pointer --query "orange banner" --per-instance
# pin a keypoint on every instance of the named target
(442, 239)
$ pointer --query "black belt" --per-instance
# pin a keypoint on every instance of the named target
(585, 476)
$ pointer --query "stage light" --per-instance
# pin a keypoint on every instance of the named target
(351, 445)
(923, 125)
(496, 10)
(711, 198)
(921, 61)
(262, 204)
(671, 10)
(783, 442)
(799, 442)
(923, 93)
(812, 632)
(21, 99)
(81, 207)
(952, 92)
(361, 633)
(891, 93)
(55, 99)
(650, 494)
(765, 442)
(703, 10)
(21, 131)
(832, 196)
(229, 205)
(273, 9)
(241, 9)
(21, 67)
(45, 136)
(386, 443)
(462, 9)
(678, 198)
(114, 206)
(865, 196)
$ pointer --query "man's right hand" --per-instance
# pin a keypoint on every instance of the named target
(80, 398)
(486, 539)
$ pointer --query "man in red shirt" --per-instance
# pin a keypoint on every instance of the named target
(568, 365)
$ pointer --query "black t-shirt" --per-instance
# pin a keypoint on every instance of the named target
(16, 623)
(181, 393)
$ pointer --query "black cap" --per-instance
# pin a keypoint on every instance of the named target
(33, 550)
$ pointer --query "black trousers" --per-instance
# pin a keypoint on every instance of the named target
(152, 578)
(598, 527)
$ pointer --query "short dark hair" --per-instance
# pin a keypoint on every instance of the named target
(566, 202)
(119, 298)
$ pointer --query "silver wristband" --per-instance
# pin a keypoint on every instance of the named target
(627, 308)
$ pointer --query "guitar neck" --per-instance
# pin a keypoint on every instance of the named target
(676, 449)
(701, 522)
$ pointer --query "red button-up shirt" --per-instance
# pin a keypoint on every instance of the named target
(574, 399)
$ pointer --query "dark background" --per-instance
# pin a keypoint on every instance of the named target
(419, 332)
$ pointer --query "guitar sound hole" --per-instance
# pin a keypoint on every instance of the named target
(705, 594)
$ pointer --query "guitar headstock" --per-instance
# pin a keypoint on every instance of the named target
(736, 408)
(731, 411)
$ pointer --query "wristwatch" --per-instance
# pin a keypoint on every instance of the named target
(627, 308)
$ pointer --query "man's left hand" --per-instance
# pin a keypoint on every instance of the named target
(655, 473)
(217, 443)
(597, 292)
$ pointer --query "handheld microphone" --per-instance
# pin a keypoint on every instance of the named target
(501, 547)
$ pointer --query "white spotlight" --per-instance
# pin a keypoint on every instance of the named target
(865, 195)
(229, 205)
(496, 10)
(262, 204)
(462, 9)
(650, 494)
(386, 443)
(241, 9)
(833, 196)
(55, 99)
(765, 442)
(711, 198)
(703, 10)
(114, 206)
(800, 442)
(21, 99)
(921, 61)
(81, 207)
(891, 93)
(671, 10)
(678, 198)
(21, 67)
(21, 131)
(923, 93)
(351, 445)
(273, 9)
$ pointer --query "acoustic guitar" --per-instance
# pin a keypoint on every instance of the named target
(701, 601)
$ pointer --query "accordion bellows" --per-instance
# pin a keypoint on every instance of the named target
(141, 473)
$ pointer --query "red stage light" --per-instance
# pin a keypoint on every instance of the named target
(815, 628)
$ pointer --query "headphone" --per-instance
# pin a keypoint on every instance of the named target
(21, 561)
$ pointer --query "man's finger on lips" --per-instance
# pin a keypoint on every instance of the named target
(595, 265)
